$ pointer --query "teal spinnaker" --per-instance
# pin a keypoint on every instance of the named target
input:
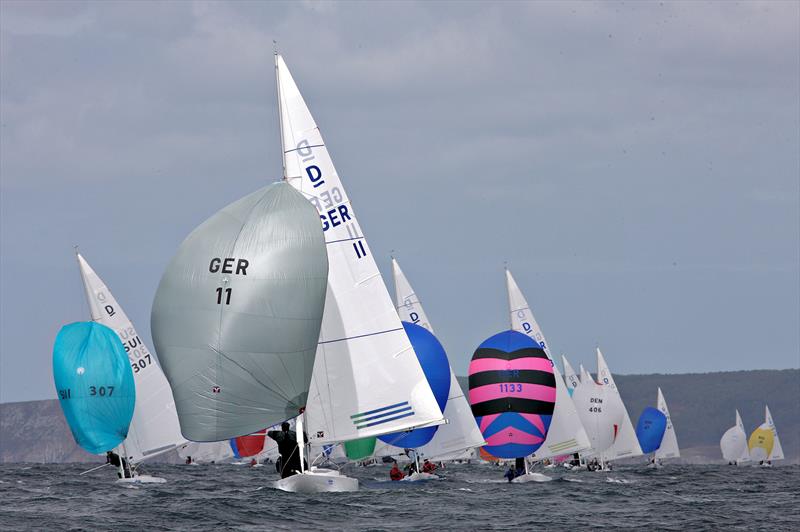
(95, 385)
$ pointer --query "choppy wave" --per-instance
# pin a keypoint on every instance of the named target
(55, 497)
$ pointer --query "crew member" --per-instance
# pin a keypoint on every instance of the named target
(287, 447)
(395, 473)
(428, 467)
(115, 460)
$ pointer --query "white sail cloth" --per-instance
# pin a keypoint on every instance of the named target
(599, 412)
(626, 444)
(154, 428)
(461, 433)
(566, 434)
(367, 380)
(669, 442)
(733, 443)
(777, 450)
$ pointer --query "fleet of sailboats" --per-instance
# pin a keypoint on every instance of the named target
(274, 309)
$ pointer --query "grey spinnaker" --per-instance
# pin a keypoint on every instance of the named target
(237, 314)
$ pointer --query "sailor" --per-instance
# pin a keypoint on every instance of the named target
(287, 447)
(115, 460)
(395, 473)
(428, 467)
(510, 474)
(188, 460)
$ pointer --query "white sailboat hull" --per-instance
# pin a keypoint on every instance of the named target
(421, 477)
(317, 480)
(142, 479)
(531, 477)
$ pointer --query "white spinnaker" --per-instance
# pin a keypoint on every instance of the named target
(207, 452)
(733, 443)
(626, 444)
(461, 432)
(154, 428)
(566, 434)
(669, 442)
(777, 450)
(367, 380)
(570, 377)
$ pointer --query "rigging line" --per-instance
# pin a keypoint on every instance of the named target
(361, 336)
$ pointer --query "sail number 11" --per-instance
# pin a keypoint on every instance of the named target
(227, 295)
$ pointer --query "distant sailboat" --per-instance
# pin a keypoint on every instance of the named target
(367, 380)
(764, 444)
(206, 453)
(669, 443)
(154, 429)
(566, 434)
(461, 433)
(733, 443)
(600, 413)
(626, 445)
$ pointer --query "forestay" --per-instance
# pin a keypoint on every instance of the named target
(367, 380)
(237, 315)
(461, 432)
(669, 443)
(626, 444)
(154, 428)
(566, 434)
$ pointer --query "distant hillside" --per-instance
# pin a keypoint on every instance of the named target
(701, 405)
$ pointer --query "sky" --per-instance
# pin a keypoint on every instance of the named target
(636, 165)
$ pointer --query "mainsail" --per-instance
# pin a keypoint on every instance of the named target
(600, 414)
(208, 452)
(237, 315)
(570, 377)
(367, 380)
(733, 443)
(95, 386)
(461, 433)
(669, 443)
(625, 444)
(566, 434)
(154, 428)
(777, 450)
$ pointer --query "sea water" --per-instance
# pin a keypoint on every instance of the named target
(469, 497)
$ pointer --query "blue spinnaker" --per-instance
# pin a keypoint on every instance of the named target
(436, 367)
(95, 385)
(650, 429)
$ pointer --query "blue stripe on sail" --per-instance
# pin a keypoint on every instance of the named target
(382, 415)
(390, 407)
(385, 420)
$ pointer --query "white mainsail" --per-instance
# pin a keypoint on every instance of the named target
(566, 434)
(461, 432)
(154, 428)
(582, 372)
(599, 413)
(777, 450)
(367, 380)
(570, 378)
(206, 452)
(733, 443)
(669, 442)
(626, 444)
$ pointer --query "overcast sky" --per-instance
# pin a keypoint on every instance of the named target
(636, 164)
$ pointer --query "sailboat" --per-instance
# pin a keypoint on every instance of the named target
(95, 386)
(764, 444)
(669, 442)
(154, 429)
(626, 445)
(733, 443)
(600, 413)
(206, 453)
(570, 377)
(566, 434)
(461, 433)
(512, 390)
(367, 380)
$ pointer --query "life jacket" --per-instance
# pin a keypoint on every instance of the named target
(429, 467)
(396, 474)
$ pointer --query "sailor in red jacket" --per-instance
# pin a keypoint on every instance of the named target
(395, 473)
(428, 467)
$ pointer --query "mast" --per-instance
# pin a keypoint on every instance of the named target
(280, 110)
(301, 444)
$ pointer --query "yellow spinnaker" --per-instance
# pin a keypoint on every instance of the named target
(761, 442)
